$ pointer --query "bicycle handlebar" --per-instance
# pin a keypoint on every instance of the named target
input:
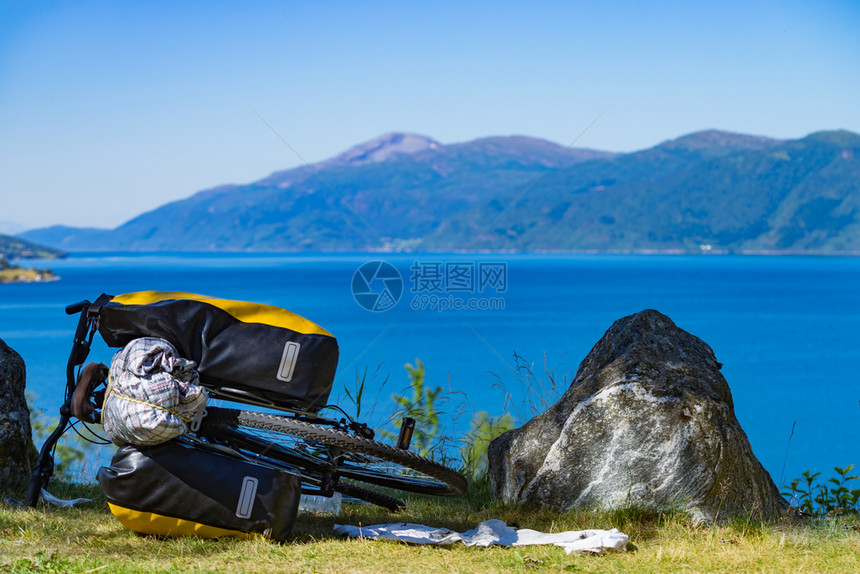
(77, 307)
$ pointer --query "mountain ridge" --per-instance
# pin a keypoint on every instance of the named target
(708, 191)
(13, 247)
(335, 198)
(672, 205)
(384, 147)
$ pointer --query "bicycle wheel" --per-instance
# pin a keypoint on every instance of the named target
(315, 470)
(308, 446)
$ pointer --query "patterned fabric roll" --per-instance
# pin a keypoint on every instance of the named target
(153, 394)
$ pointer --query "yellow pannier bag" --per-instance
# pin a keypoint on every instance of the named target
(250, 352)
(174, 490)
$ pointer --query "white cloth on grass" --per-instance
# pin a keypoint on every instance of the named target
(491, 532)
(54, 501)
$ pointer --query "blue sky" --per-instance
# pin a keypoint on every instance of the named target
(109, 109)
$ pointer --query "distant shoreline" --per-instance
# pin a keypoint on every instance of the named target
(10, 275)
(708, 253)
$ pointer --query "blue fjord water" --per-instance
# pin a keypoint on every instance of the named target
(787, 329)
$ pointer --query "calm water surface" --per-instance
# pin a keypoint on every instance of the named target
(786, 329)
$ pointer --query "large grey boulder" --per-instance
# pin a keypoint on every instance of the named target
(16, 444)
(648, 421)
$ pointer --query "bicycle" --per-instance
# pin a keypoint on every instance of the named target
(331, 455)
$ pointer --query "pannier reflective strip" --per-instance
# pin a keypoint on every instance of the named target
(246, 497)
(160, 525)
(288, 361)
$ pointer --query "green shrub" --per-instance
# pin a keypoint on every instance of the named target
(70, 454)
(811, 497)
(421, 405)
(473, 452)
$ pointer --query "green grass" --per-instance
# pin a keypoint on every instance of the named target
(91, 540)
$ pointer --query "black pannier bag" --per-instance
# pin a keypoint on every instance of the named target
(174, 490)
(267, 351)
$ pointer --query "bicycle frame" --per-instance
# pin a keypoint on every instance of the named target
(83, 402)
(84, 333)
